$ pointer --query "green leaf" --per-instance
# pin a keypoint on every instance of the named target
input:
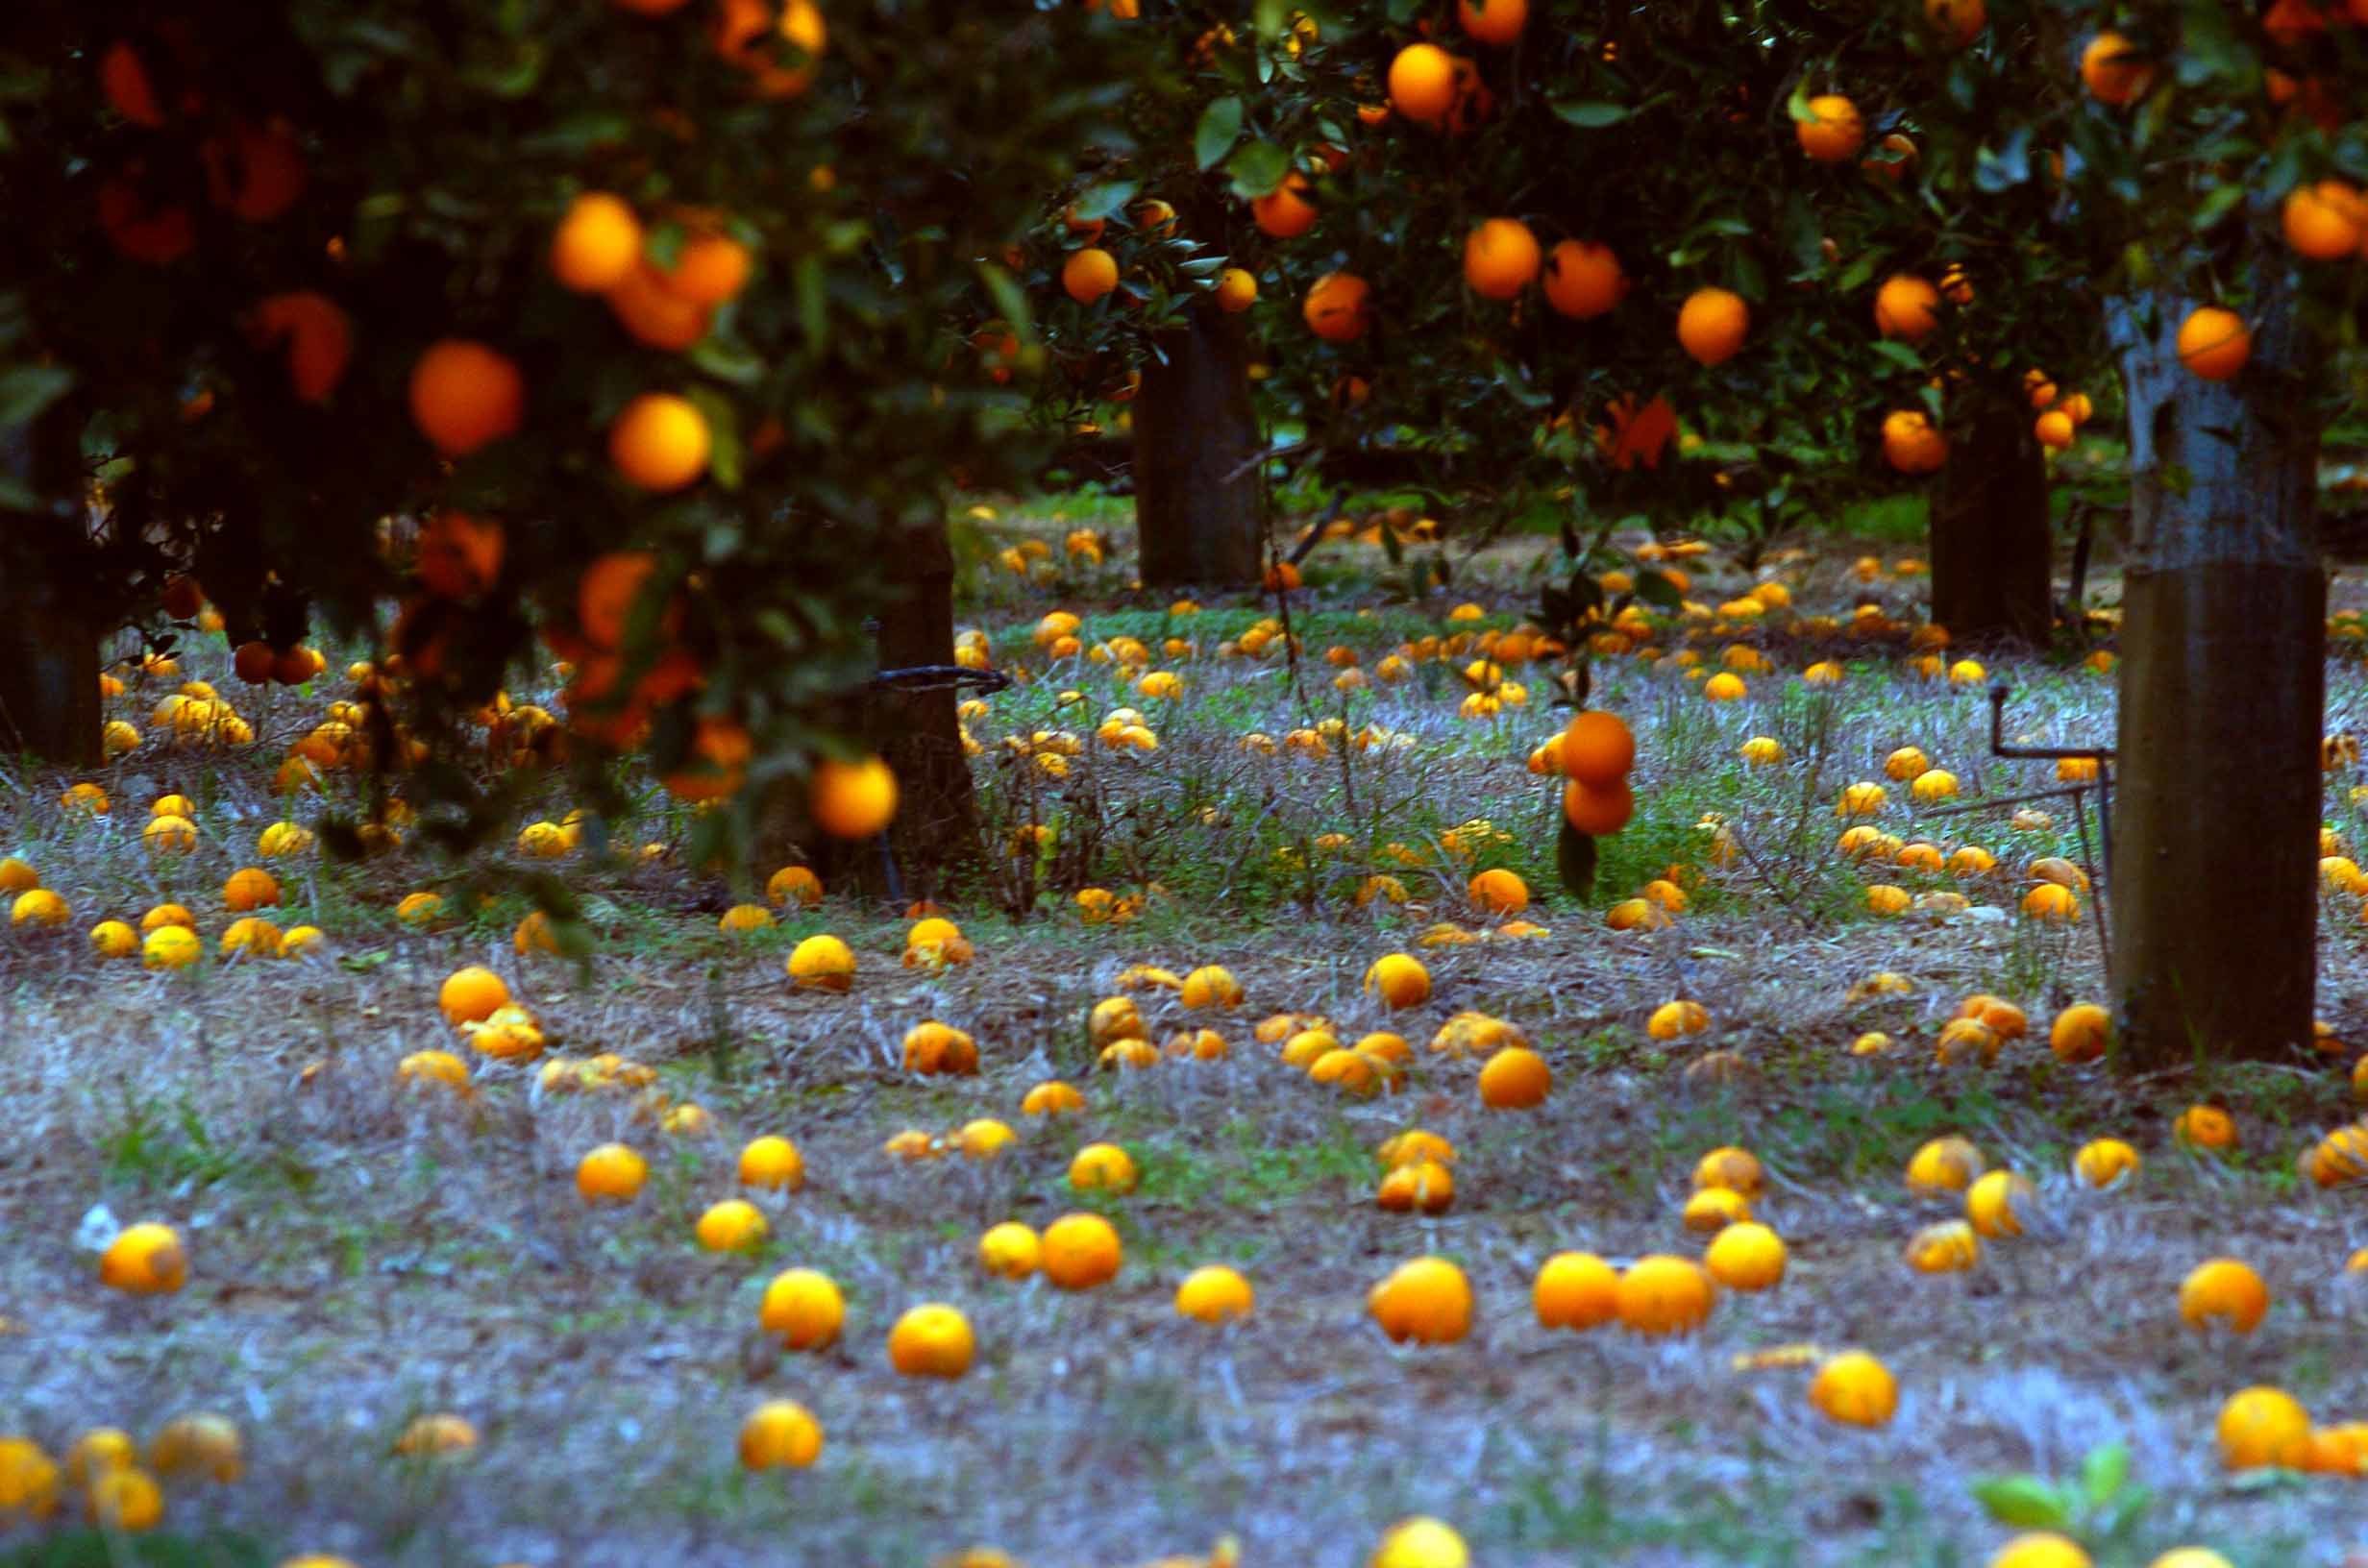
(1105, 200)
(1898, 352)
(2024, 1502)
(2105, 1472)
(2216, 205)
(1574, 859)
(813, 314)
(723, 449)
(1010, 299)
(27, 389)
(1660, 590)
(1219, 128)
(1257, 169)
(1591, 114)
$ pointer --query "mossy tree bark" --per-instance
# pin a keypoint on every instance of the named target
(2222, 692)
(1991, 547)
(1199, 500)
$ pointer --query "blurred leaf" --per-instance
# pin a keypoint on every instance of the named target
(2023, 1502)
(1105, 200)
(2104, 1472)
(1258, 169)
(1219, 128)
(1660, 590)
(25, 390)
(1590, 114)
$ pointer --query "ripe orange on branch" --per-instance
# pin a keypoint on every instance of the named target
(1500, 259)
(1583, 280)
(1338, 306)
(1711, 325)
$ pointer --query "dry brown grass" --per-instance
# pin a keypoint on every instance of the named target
(363, 1254)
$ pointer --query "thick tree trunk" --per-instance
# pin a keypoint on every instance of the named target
(1991, 542)
(2222, 694)
(1200, 502)
(49, 630)
(935, 836)
(49, 667)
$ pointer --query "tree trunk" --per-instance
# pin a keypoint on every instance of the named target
(1199, 500)
(49, 632)
(936, 835)
(2222, 692)
(1991, 542)
(934, 838)
(49, 668)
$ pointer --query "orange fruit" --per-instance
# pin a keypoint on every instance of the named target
(660, 442)
(1597, 811)
(256, 172)
(1080, 1251)
(2223, 1292)
(152, 234)
(319, 338)
(597, 244)
(931, 1340)
(2113, 72)
(651, 313)
(1515, 1078)
(853, 800)
(2054, 429)
(1284, 212)
(1745, 1256)
(1213, 1295)
(459, 555)
(1499, 892)
(1583, 280)
(1855, 1390)
(1575, 1290)
(740, 37)
(1500, 257)
(1663, 1295)
(1711, 325)
(2080, 1032)
(802, 1308)
(1492, 21)
(2214, 343)
(1907, 307)
(470, 995)
(1598, 748)
(1426, 1300)
(1399, 980)
(1237, 290)
(1089, 274)
(1834, 131)
(773, 1163)
(1423, 82)
(2261, 1427)
(1958, 22)
(606, 593)
(2324, 222)
(1336, 308)
(464, 395)
(144, 1260)
(253, 662)
(123, 77)
(710, 269)
(1911, 444)
(612, 1171)
(780, 1434)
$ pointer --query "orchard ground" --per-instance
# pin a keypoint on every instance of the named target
(364, 1252)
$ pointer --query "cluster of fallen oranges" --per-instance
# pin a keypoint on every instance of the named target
(166, 937)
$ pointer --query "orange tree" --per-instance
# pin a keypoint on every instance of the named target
(1472, 233)
(2215, 154)
(1834, 244)
(623, 327)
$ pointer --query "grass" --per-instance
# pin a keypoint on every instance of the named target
(363, 1254)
